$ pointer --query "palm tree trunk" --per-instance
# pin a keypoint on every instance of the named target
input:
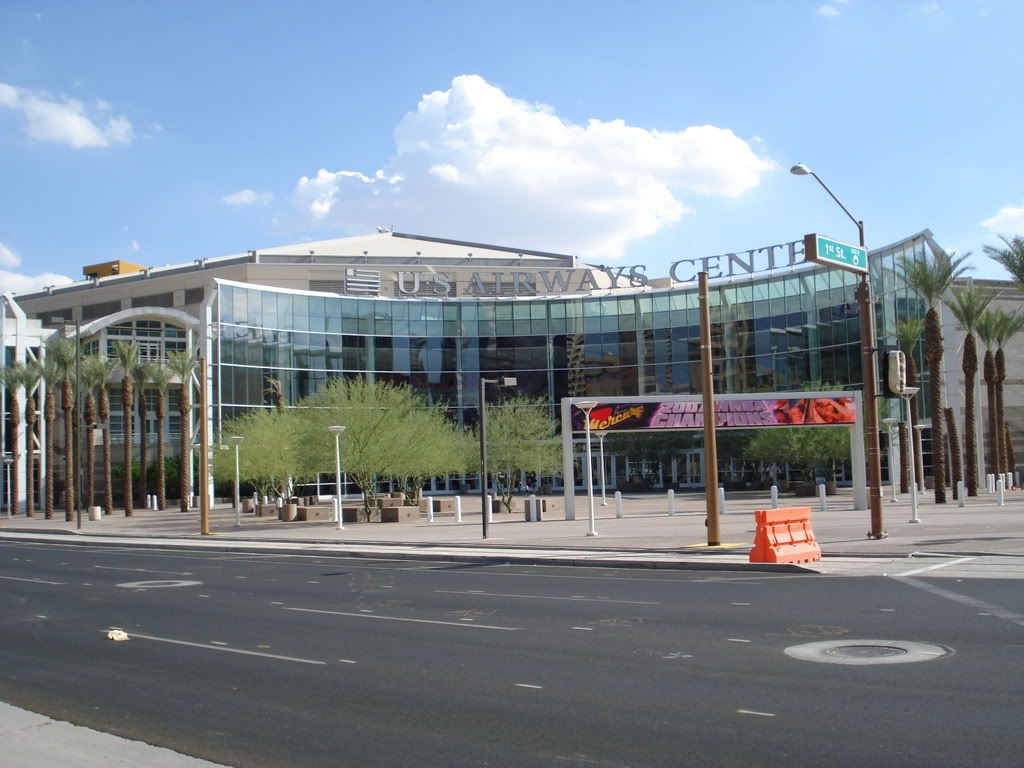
(1000, 360)
(994, 445)
(970, 368)
(184, 408)
(15, 422)
(31, 417)
(50, 417)
(108, 480)
(90, 450)
(954, 451)
(904, 464)
(933, 353)
(161, 490)
(68, 405)
(143, 480)
(126, 409)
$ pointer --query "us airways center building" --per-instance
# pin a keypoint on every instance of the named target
(438, 314)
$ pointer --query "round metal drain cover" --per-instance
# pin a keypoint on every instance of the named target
(862, 652)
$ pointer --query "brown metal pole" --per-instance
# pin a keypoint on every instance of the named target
(708, 388)
(867, 336)
(204, 453)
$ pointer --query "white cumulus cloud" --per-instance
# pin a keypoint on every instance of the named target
(247, 197)
(64, 120)
(16, 282)
(475, 163)
(828, 10)
(1008, 220)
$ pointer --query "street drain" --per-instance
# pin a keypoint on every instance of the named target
(863, 652)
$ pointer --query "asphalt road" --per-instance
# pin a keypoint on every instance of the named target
(274, 660)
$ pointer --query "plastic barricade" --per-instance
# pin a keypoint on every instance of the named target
(784, 536)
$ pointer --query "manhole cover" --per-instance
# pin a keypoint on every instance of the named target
(865, 651)
(862, 652)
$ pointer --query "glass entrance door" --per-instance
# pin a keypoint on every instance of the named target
(691, 469)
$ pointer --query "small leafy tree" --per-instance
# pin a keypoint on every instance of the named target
(268, 454)
(520, 438)
(806, 449)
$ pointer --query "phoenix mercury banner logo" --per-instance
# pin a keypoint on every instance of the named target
(729, 414)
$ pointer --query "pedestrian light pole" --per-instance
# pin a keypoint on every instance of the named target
(336, 431)
(507, 381)
(236, 440)
(866, 309)
(893, 469)
(600, 439)
(8, 461)
(587, 406)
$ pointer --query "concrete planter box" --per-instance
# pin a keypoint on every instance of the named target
(266, 510)
(289, 513)
(308, 514)
(399, 514)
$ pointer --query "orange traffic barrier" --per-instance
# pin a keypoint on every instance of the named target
(784, 536)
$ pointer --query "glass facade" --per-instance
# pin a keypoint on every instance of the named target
(770, 332)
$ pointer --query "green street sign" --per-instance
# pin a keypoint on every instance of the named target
(832, 253)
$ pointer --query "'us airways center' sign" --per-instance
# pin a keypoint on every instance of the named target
(418, 283)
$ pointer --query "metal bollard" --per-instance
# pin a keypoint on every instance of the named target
(721, 499)
(671, 503)
(999, 493)
(490, 509)
(775, 497)
(458, 509)
(822, 503)
(618, 503)
(990, 483)
(430, 509)
(533, 508)
(960, 492)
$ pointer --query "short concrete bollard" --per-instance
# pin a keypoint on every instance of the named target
(990, 483)
(430, 509)
(999, 493)
(775, 497)
(671, 503)
(721, 499)
(960, 492)
(618, 503)
(489, 510)
(822, 499)
(533, 508)
(458, 509)
(95, 514)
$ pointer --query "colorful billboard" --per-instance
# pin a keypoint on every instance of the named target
(729, 414)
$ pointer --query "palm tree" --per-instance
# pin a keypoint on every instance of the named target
(104, 414)
(95, 372)
(276, 391)
(987, 326)
(968, 305)
(160, 377)
(1009, 325)
(909, 334)
(1011, 257)
(31, 419)
(50, 375)
(63, 352)
(141, 374)
(127, 353)
(182, 364)
(14, 377)
(931, 279)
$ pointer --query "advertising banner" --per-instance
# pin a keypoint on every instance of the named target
(729, 414)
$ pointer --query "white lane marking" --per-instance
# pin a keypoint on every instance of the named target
(978, 605)
(137, 636)
(317, 582)
(217, 642)
(573, 598)
(276, 602)
(528, 685)
(140, 570)
(399, 618)
(202, 595)
(888, 610)
(933, 567)
(584, 629)
(739, 603)
(161, 584)
(348, 661)
(40, 616)
(466, 619)
(35, 581)
(753, 712)
(737, 640)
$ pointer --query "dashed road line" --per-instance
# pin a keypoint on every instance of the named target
(172, 641)
(400, 618)
(35, 581)
(572, 598)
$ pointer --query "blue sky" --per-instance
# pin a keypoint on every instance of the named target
(636, 133)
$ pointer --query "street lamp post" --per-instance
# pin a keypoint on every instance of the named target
(870, 372)
(908, 393)
(7, 465)
(893, 469)
(913, 511)
(507, 381)
(236, 440)
(600, 438)
(587, 406)
(336, 431)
